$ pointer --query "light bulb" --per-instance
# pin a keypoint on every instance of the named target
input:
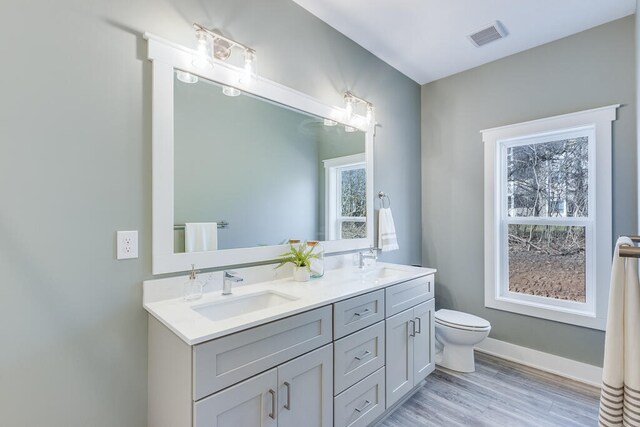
(202, 56)
(349, 129)
(249, 67)
(369, 116)
(349, 108)
(329, 122)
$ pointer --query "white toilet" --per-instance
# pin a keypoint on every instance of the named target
(456, 334)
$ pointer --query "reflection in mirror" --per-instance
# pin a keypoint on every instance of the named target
(249, 172)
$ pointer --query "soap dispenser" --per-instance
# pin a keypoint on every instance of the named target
(193, 286)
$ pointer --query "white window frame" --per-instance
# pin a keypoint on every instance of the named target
(333, 192)
(597, 125)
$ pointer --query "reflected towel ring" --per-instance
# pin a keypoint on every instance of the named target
(382, 196)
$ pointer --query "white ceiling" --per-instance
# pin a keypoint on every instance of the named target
(426, 39)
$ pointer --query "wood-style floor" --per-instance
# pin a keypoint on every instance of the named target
(499, 393)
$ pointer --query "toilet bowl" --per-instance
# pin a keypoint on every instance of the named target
(456, 335)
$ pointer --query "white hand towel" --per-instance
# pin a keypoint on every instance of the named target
(620, 395)
(387, 239)
(200, 236)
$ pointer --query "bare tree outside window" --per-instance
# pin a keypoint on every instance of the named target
(353, 203)
(548, 180)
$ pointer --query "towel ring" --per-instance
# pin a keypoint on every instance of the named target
(383, 196)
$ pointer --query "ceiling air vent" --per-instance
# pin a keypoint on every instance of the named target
(490, 33)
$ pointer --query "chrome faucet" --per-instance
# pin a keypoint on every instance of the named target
(372, 254)
(227, 279)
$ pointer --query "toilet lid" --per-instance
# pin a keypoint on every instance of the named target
(461, 320)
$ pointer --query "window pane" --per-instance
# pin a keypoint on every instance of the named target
(547, 261)
(353, 230)
(548, 179)
(353, 182)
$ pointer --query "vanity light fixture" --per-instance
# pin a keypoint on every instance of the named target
(329, 122)
(349, 129)
(214, 45)
(351, 102)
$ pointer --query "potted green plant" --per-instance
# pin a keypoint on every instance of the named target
(300, 257)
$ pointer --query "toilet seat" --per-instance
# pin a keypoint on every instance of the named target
(459, 320)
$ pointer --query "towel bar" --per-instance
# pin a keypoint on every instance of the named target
(629, 251)
(221, 224)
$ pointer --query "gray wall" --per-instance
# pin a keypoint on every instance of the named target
(591, 69)
(75, 166)
(249, 162)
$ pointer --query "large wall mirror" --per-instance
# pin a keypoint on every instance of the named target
(238, 171)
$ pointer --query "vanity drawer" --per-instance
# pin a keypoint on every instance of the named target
(405, 295)
(360, 404)
(356, 313)
(228, 360)
(357, 356)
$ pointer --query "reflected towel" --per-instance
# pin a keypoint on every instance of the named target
(200, 236)
(387, 239)
(620, 395)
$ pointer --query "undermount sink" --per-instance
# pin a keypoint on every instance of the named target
(383, 273)
(233, 306)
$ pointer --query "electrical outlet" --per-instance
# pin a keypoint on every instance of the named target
(127, 244)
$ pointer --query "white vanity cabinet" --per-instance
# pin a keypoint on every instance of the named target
(295, 393)
(410, 337)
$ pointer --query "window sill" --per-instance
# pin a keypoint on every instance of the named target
(585, 318)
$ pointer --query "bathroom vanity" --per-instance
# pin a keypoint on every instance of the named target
(337, 351)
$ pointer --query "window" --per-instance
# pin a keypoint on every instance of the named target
(548, 217)
(346, 205)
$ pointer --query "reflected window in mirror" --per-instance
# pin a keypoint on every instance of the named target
(345, 197)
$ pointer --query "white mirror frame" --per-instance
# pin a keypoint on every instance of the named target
(167, 56)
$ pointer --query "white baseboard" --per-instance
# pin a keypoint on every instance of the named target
(561, 366)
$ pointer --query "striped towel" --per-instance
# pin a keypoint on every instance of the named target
(620, 396)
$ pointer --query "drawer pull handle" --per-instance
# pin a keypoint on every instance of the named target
(367, 403)
(272, 415)
(412, 332)
(287, 405)
(362, 313)
(363, 355)
(419, 330)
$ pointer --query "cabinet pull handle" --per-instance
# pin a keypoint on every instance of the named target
(287, 405)
(419, 319)
(412, 332)
(363, 312)
(272, 415)
(365, 406)
(363, 355)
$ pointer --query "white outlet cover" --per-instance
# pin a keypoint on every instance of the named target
(127, 244)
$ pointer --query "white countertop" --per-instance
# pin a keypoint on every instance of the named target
(339, 284)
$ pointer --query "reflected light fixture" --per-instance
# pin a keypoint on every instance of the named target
(352, 102)
(230, 91)
(211, 44)
(185, 77)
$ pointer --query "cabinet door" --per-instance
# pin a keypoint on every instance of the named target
(399, 357)
(252, 403)
(305, 387)
(424, 341)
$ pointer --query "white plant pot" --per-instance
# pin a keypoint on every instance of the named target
(301, 274)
